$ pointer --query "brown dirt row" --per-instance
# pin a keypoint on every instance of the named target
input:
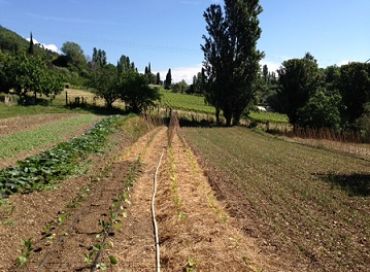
(134, 242)
(22, 123)
(65, 248)
(232, 198)
(27, 216)
(196, 231)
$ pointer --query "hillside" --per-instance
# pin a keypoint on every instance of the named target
(13, 43)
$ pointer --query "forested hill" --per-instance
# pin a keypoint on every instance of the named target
(14, 44)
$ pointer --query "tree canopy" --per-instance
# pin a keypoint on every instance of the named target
(74, 54)
(231, 60)
(299, 79)
(168, 81)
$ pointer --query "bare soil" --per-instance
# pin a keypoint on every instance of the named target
(299, 220)
(196, 231)
(32, 216)
(73, 238)
(134, 242)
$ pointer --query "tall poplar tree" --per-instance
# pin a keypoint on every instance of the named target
(231, 59)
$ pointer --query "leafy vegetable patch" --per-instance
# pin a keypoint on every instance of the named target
(41, 170)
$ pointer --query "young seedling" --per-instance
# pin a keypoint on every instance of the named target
(26, 252)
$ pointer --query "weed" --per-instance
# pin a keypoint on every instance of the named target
(26, 253)
(191, 265)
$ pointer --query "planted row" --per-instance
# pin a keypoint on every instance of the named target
(41, 170)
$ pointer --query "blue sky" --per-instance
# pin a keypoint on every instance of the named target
(168, 33)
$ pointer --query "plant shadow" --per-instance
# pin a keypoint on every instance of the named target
(186, 122)
(357, 184)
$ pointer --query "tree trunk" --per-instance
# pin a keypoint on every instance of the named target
(228, 117)
(236, 120)
(218, 116)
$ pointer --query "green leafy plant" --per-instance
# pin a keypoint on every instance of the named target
(41, 170)
(26, 252)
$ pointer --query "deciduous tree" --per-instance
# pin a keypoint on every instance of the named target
(231, 60)
(299, 79)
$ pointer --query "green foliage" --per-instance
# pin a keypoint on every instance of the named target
(199, 84)
(31, 46)
(136, 93)
(185, 102)
(45, 135)
(363, 123)
(231, 58)
(12, 43)
(52, 83)
(55, 164)
(124, 65)
(158, 79)
(168, 81)
(299, 79)
(15, 45)
(29, 74)
(74, 54)
(268, 117)
(321, 111)
(6, 66)
(99, 58)
(26, 253)
(354, 86)
(150, 77)
(180, 87)
(105, 81)
(7, 111)
(266, 86)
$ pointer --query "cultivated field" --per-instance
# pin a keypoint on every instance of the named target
(306, 207)
(265, 204)
(21, 137)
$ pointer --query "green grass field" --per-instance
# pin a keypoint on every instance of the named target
(268, 116)
(44, 136)
(197, 104)
(310, 205)
(186, 102)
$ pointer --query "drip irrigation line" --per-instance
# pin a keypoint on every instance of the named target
(154, 216)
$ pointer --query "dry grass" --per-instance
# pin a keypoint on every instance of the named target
(196, 233)
(359, 150)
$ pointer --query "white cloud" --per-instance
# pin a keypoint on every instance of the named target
(343, 62)
(273, 66)
(187, 73)
(182, 73)
(52, 47)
